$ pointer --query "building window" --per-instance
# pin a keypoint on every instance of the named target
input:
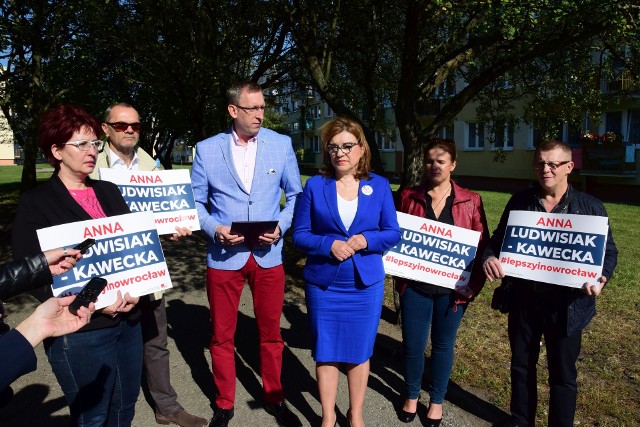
(633, 126)
(613, 121)
(328, 112)
(446, 89)
(315, 143)
(446, 132)
(315, 111)
(504, 135)
(475, 136)
(385, 141)
(295, 127)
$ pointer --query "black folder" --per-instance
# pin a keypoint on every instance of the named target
(252, 230)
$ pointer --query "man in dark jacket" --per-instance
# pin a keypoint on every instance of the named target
(536, 309)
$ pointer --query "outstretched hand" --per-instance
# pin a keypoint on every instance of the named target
(53, 319)
(61, 260)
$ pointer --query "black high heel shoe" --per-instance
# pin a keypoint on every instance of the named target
(406, 417)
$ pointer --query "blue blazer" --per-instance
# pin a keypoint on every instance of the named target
(221, 197)
(317, 225)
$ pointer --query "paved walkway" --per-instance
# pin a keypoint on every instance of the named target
(39, 401)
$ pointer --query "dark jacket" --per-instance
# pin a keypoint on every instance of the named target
(51, 204)
(16, 354)
(580, 307)
(467, 212)
(17, 357)
(23, 275)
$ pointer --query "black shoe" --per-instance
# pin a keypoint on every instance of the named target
(406, 417)
(433, 423)
(221, 417)
(282, 414)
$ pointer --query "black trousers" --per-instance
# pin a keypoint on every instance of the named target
(534, 314)
(156, 355)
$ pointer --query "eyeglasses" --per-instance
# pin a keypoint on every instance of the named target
(85, 145)
(251, 110)
(345, 148)
(123, 126)
(552, 165)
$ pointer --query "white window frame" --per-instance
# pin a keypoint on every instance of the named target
(508, 130)
(475, 135)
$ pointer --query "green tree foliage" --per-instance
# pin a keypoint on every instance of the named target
(53, 51)
(182, 67)
(419, 48)
(174, 59)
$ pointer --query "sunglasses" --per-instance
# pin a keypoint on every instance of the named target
(123, 126)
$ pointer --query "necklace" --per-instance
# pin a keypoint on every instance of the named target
(442, 198)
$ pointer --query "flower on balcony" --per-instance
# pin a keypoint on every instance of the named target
(589, 137)
(607, 138)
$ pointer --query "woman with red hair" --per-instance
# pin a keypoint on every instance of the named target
(99, 367)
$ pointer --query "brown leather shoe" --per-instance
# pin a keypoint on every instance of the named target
(181, 418)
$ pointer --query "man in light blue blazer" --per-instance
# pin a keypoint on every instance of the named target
(239, 175)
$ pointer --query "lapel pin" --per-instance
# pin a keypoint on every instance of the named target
(367, 190)
(272, 171)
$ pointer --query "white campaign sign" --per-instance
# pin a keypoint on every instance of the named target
(168, 194)
(432, 252)
(561, 249)
(127, 253)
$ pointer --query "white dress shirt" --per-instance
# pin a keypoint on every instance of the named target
(244, 158)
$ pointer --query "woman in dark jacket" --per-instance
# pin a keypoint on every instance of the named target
(428, 305)
(98, 367)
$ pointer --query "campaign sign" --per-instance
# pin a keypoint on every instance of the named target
(168, 194)
(432, 252)
(127, 253)
(562, 249)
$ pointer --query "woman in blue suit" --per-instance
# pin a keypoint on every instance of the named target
(344, 222)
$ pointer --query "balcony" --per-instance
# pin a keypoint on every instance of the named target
(609, 160)
(626, 83)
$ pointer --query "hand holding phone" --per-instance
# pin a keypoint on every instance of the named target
(84, 246)
(88, 294)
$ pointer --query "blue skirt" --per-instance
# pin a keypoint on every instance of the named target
(344, 317)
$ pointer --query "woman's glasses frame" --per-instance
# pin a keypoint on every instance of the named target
(84, 145)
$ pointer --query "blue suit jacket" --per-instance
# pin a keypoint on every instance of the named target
(317, 225)
(221, 197)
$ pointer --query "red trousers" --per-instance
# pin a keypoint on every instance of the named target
(224, 288)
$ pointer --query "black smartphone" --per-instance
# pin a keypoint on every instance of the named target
(88, 294)
(82, 247)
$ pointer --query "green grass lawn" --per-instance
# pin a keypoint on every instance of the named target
(609, 372)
